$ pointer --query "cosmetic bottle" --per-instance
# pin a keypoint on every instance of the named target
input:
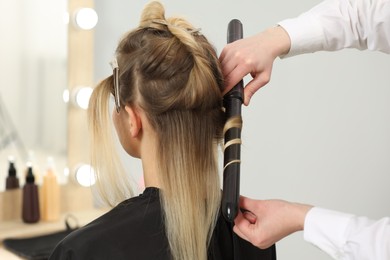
(12, 181)
(50, 193)
(30, 210)
(35, 167)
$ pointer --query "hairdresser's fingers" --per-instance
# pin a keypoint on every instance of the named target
(236, 64)
(228, 60)
(252, 218)
(227, 65)
(240, 222)
(230, 52)
(234, 77)
(254, 85)
(237, 230)
(233, 69)
(223, 54)
(248, 204)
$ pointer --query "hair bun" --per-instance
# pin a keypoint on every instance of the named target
(152, 11)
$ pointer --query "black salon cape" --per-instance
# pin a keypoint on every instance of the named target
(135, 230)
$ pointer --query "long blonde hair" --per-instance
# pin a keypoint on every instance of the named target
(172, 73)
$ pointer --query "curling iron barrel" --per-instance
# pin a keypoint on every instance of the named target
(232, 148)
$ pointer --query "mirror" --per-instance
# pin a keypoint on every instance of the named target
(33, 114)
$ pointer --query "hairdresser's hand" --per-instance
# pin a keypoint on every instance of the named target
(268, 221)
(254, 55)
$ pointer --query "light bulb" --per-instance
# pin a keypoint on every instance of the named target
(65, 95)
(86, 18)
(85, 175)
(82, 97)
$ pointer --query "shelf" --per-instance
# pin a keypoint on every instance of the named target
(18, 229)
(75, 200)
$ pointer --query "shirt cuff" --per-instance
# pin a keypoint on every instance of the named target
(306, 35)
(326, 229)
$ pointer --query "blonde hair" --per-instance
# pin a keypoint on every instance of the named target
(171, 71)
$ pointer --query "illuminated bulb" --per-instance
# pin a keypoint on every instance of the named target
(66, 172)
(82, 97)
(85, 175)
(86, 18)
(65, 95)
(79, 96)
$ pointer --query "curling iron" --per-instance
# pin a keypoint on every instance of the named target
(232, 102)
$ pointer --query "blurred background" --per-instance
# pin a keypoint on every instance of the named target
(318, 133)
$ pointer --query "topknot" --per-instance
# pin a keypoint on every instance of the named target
(152, 11)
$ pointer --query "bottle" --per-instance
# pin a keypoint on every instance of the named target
(50, 193)
(12, 181)
(30, 210)
(35, 167)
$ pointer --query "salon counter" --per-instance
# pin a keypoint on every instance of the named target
(76, 202)
(18, 229)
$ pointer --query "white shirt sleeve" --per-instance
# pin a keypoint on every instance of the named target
(348, 237)
(337, 24)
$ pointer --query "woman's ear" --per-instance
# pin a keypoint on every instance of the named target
(134, 121)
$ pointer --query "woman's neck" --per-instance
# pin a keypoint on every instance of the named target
(150, 175)
(149, 160)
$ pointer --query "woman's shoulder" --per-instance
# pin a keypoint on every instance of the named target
(132, 225)
(128, 217)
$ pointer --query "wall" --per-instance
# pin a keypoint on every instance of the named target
(317, 133)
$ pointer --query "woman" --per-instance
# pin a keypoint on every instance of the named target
(167, 87)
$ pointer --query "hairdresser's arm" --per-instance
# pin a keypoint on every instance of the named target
(337, 24)
(342, 236)
(345, 236)
(332, 25)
